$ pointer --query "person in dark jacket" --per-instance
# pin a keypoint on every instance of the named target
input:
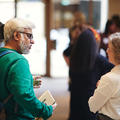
(86, 68)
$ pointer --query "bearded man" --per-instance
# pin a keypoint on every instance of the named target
(16, 81)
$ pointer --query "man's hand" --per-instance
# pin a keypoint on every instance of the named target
(54, 106)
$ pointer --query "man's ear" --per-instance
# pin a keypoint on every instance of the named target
(16, 36)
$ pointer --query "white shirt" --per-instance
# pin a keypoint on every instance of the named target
(106, 98)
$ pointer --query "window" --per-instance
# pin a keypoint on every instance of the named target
(6, 10)
(37, 56)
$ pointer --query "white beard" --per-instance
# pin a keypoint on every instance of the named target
(24, 48)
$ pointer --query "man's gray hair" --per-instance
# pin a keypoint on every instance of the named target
(114, 39)
(15, 24)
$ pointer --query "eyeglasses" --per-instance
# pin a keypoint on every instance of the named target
(29, 35)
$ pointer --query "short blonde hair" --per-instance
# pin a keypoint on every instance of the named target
(114, 39)
(15, 24)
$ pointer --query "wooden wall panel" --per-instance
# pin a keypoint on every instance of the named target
(114, 7)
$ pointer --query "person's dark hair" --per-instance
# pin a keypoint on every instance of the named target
(116, 20)
(84, 52)
(107, 27)
(1, 32)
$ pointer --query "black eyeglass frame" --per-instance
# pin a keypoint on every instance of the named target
(29, 35)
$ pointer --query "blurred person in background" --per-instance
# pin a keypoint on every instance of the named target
(74, 33)
(86, 68)
(112, 26)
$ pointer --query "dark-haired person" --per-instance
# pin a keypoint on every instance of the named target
(112, 26)
(86, 68)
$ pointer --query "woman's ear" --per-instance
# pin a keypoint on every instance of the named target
(16, 36)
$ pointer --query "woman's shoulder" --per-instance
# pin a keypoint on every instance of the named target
(113, 77)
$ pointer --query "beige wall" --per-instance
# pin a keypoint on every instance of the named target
(114, 7)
